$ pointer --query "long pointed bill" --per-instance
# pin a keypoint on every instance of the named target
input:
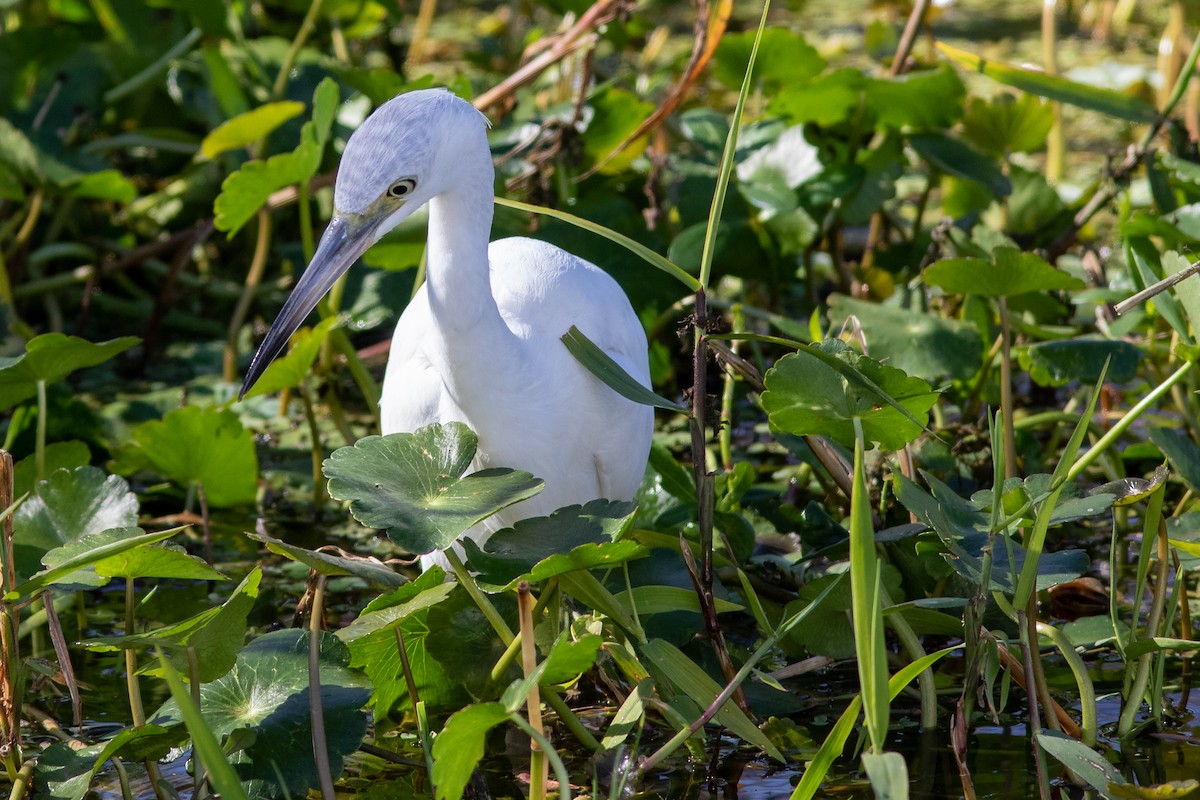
(346, 238)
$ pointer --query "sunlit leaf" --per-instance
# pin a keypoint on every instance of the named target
(1052, 87)
(248, 128)
(206, 445)
(406, 610)
(916, 101)
(567, 660)
(1083, 761)
(888, 773)
(680, 672)
(290, 370)
(923, 345)
(1010, 272)
(58, 455)
(616, 113)
(829, 99)
(1008, 123)
(411, 484)
(784, 59)
(368, 569)
(215, 634)
(69, 505)
(110, 543)
(245, 191)
(807, 397)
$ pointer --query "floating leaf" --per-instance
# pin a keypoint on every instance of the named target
(50, 358)
(248, 128)
(805, 397)
(267, 693)
(1053, 87)
(1058, 362)
(208, 446)
(1011, 272)
(411, 484)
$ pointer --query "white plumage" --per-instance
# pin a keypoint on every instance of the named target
(480, 341)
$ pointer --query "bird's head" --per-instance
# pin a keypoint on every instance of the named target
(406, 153)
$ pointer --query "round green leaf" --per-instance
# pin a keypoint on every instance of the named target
(69, 505)
(1011, 272)
(1058, 362)
(208, 446)
(410, 484)
(924, 345)
(805, 396)
(267, 693)
(784, 59)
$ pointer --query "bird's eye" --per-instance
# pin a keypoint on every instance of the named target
(402, 188)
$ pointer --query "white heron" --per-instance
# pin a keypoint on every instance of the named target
(480, 341)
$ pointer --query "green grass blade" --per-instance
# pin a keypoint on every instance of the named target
(600, 364)
(637, 248)
(1037, 539)
(735, 125)
(869, 644)
(1106, 101)
(220, 773)
(835, 742)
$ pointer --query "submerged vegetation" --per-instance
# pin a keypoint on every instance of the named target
(921, 332)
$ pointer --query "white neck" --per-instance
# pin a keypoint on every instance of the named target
(458, 281)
